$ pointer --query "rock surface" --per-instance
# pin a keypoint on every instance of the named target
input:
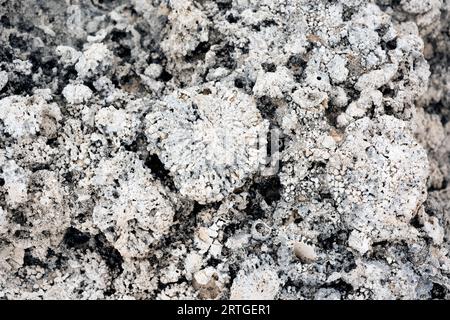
(232, 149)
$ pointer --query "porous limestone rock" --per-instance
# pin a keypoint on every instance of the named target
(217, 149)
(258, 284)
(378, 178)
(211, 139)
(132, 211)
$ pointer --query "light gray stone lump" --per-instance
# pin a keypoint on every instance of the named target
(230, 149)
(210, 138)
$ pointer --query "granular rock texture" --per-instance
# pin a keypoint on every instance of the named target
(227, 149)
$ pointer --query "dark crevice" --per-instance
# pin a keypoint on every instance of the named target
(244, 83)
(137, 144)
(269, 67)
(159, 171)
(267, 107)
(18, 217)
(340, 285)
(29, 260)
(269, 189)
(224, 5)
(415, 222)
(328, 241)
(332, 113)
(109, 254)
(297, 64)
(199, 52)
(165, 76)
(439, 109)
(225, 57)
(438, 291)
(74, 238)
(198, 207)
(443, 186)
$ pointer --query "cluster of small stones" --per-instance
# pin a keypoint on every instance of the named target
(134, 138)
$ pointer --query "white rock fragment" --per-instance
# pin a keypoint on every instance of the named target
(260, 284)
(111, 119)
(327, 294)
(384, 173)
(434, 230)
(75, 21)
(210, 139)
(3, 79)
(339, 97)
(26, 116)
(189, 27)
(136, 212)
(238, 241)
(2, 220)
(38, 196)
(94, 60)
(308, 98)
(77, 93)
(376, 78)
(153, 70)
(68, 55)
(363, 39)
(47, 212)
(359, 242)
(216, 249)
(417, 6)
(170, 274)
(192, 264)
(22, 66)
(273, 84)
(16, 183)
(337, 70)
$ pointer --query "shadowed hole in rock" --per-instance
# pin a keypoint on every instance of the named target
(332, 113)
(328, 241)
(18, 217)
(439, 109)
(225, 4)
(22, 84)
(269, 67)
(159, 171)
(74, 238)
(268, 189)
(244, 83)
(267, 107)
(341, 286)
(438, 291)
(199, 52)
(109, 254)
(165, 76)
(232, 18)
(138, 144)
(29, 260)
(225, 57)
(415, 222)
(253, 208)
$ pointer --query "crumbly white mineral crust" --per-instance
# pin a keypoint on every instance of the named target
(22, 116)
(224, 149)
(378, 178)
(210, 138)
(133, 211)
